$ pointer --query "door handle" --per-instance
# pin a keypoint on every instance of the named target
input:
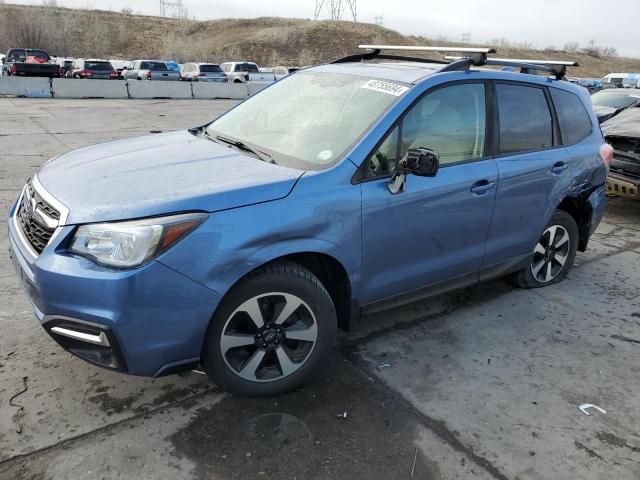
(559, 167)
(481, 187)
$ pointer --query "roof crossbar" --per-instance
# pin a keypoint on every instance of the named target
(376, 53)
(556, 67)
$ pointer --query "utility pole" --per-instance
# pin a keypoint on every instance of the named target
(379, 20)
(466, 37)
(171, 8)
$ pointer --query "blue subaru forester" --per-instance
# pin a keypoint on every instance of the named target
(345, 188)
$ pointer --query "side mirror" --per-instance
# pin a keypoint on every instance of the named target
(422, 162)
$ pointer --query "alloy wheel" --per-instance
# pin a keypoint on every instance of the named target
(269, 337)
(550, 254)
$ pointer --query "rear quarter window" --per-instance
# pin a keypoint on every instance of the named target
(575, 123)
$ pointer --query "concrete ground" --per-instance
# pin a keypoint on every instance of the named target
(482, 383)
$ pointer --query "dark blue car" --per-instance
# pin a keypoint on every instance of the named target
(342, 189)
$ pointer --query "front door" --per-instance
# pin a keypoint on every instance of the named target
(435, 231)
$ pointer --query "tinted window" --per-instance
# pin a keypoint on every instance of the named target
(100, 66)
(210, 69)
(246, 67)
(573, 119)
(525, 119)
(39, 56)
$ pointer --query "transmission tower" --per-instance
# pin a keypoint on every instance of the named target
(171, 8)
(335, 8)
(379, 20)
(466, 37)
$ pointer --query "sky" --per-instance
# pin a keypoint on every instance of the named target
(542, 23)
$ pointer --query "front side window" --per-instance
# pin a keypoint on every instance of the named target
(574, 121)
(525, 119)
(309, 120)
(450, 120)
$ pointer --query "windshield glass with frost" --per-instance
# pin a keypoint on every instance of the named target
(310, 119)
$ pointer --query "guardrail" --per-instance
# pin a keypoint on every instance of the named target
(33, 87)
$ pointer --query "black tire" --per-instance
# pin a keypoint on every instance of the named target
(265, 285)
(534, 277)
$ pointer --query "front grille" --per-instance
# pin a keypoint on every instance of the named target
(33, 207)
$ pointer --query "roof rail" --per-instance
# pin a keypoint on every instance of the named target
(556, 67)
(417, 48)
(478, 54)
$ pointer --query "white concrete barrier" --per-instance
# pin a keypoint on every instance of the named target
(73, 88)
(159, 89)
(255, 87)
(211, 90)
(36, 87)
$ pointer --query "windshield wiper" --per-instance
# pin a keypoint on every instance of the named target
(265, 157)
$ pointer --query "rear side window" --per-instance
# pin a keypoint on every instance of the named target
(525, 119)
(574, 121)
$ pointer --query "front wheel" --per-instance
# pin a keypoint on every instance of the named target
(271, 332)
(554, 253)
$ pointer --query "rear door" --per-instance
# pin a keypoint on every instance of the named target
(434, 232)
(535, 172)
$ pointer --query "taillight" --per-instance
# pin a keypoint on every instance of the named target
(148, 75)
(113, 74)
(202, 75)
(14, 70)
(84, 73)
(606, 153)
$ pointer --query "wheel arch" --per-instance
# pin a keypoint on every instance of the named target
(330, 270)
(580, 209)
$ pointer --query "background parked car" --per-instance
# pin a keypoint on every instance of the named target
(281, 72)
(621, 80)
(242, 72)
(149, 70)
(202, 72)
(65, 64)
(30, 62)
(93, 68)
(622, 132)
(119, 65)
(610, 102)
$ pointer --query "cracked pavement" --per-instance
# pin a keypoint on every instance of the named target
(483, 383)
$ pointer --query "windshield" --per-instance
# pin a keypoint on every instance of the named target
(210, 69)
(614, 100)
(310, 119)
(101, 66)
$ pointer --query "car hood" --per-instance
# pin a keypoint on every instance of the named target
(160, 174)
(602, 110)
(625, 124)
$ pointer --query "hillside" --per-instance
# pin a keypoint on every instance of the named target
(268, 41)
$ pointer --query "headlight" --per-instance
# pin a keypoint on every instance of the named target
(130, 244)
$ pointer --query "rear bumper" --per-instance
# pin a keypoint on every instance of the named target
(623, 185)
(146, 321)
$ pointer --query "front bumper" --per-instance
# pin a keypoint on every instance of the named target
(153, 318)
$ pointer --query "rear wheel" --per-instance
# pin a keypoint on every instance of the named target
(271, 332)
(554, 253)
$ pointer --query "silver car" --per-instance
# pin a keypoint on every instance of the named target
(149, 70)
(202, 72)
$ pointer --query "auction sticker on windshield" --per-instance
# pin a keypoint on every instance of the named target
(385, 87)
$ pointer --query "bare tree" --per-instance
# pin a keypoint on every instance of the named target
(127, 10)
(95, 33)
(571, 47)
